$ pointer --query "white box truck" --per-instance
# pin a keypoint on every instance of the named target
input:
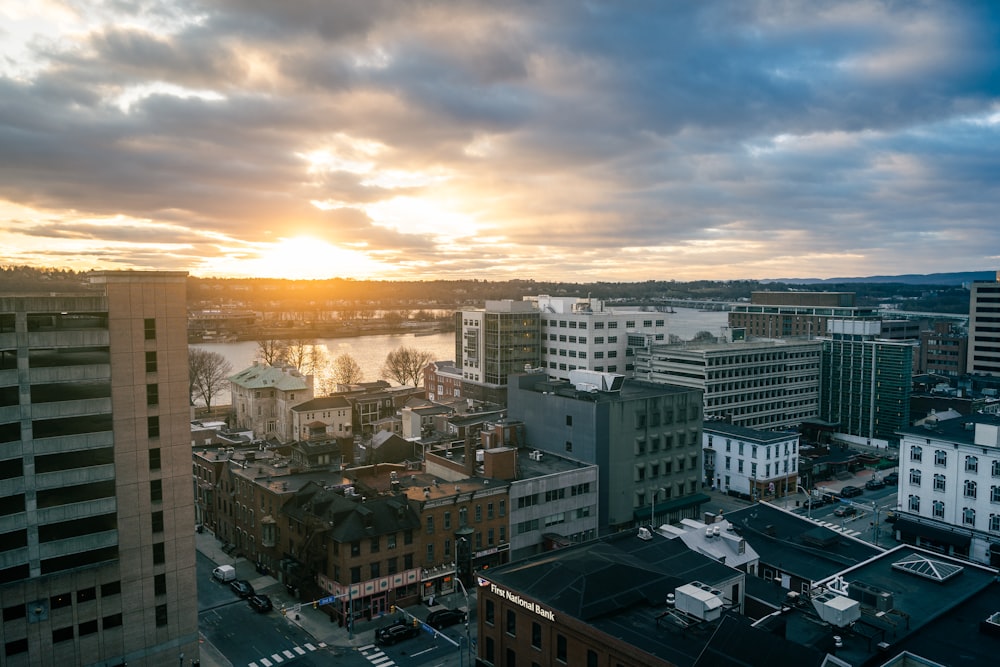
(224, 573)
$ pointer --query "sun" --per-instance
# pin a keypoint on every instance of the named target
(298, 258)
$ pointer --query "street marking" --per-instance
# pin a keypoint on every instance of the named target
(310, 647)
(426, 650)
(288, 654)
(265, 662)
(380, 660)
(300, 650)
(277, 658)
(252, 664)
(366, 647)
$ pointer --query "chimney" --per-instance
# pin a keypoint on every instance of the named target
(470, 460)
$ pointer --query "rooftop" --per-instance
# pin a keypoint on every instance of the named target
(260, 376)
(747, 433)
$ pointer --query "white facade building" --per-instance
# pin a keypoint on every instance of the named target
(581, 333)
(749, 462)
(949, 487)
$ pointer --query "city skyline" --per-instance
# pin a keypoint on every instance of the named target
(554, 140)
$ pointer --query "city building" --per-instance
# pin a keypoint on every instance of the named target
(322, 418)
(949, 487)
(263, 396)
(750, 462)
(442, 380)
(984, 328)
(796, 314)
(767, 384)
(493, 342)
(865, 383)
(96, 512)
(580, 333)
(644, 437)
(944, 350)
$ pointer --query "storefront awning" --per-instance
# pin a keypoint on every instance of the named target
(682, 503)
(932, 533)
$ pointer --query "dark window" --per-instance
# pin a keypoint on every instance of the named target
(591, 658)
(86, 594)
(154, 458)
(88, 627)
(112, 621)
(152, 394)
(161, 615)
(569, 420)
(111, 588)
(156, 490)
(560, 648)
(16, 647)
(490, 612)
(536, 635)
(62, 600)
(151, 362)
(374, 545)
(13, 612)
(511, 623)
(511, 658)
(153, 427)
(376, 570)
(62, 634)
(149, 326)
(489, 650)
(160, 584)
(159, 554)
(158, 522)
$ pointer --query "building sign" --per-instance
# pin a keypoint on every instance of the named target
(518, 600)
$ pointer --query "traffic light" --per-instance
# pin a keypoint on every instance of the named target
(315, 604)
(392, 609)
(416, 622)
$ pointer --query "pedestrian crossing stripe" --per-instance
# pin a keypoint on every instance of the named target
(294, 652)
(288, 654)
(277, 658)
(300, 650)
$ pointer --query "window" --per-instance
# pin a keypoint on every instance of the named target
(374, 545)
(152, 394)
(161, 615)
(159, 553)
(479, 513)
(430, 525)
(916, 453)
(16, 647)
(157, 521)
(112, 621)
(149, 327)
(971, 464)
(355, 548)
(915, 476)
(569, 446)
(61, 600)
(940, 457)
(156, 490)
(591, 658)
(447, 520)
(914, 504)
(937, 509)
(62, 634)
(503, 508)
(970, 489)
(160, 584)
(430, 553)
(995, 468)
(511, 623)
(995, 494)
(939, 482)
(111, 588)
(561, 648)
(536, 635)
(490, 612)
(154, 458)
(151, 362)
(88, 627)
(153, 426)
(86, 594)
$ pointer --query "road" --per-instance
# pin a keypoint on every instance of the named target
(871, 505)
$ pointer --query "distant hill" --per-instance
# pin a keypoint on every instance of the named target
(959, 278)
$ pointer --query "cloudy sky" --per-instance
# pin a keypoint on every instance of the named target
(557, 140)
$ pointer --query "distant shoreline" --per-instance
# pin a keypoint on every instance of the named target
(333, 331)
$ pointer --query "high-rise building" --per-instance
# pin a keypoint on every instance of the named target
(793, 314)
(97, 557)
(493, 342)
(984, 328)
(865, 382)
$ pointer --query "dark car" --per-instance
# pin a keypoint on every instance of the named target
(847, 510)
(851, 491)
(260, 603)
(891, 517)
(892, 478)
(874, 484)
(442, 618)
(242, 588)
(396, 632)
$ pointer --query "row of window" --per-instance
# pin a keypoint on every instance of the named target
(970, 487)
(653, 468)
(941, 459)
(968, 513)
(788, 465)
(562, 644)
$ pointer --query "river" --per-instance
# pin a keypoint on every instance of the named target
(370, 351)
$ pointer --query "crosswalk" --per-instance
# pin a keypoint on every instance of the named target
(278, 658)
(838, 528)
(376, 656)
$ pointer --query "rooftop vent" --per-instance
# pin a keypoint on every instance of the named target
(644, 534)
(836, 609)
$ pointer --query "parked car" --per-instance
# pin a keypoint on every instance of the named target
(442, 618)
(260, 603)
(851, 491)
(396, 632)
(242, 588)
(874, 484)
(892, 478)
(846, 510)
(891, 517)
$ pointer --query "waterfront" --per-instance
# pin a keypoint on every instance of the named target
(370, 351)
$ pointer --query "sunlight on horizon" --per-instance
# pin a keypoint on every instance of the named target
(297, 258)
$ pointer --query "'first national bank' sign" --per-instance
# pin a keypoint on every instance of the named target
(518, 600)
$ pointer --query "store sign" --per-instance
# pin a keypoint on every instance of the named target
(518, 600)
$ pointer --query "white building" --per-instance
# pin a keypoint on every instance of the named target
(758, 464)
(581, 333)
(949, 487)
(263, 397)
(764, 383)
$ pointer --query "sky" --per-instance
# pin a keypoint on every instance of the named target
(556, 140)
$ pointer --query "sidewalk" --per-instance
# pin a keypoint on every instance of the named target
(313, 621)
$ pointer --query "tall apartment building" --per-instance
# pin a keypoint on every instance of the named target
(583, 334)
(944, 350)
(984, 328)
(865, 383)
(97, 557)
(793, 314)
(763, 384)
(493, 342)
(645, 439)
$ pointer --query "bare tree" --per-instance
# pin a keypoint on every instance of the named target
(207, 374)
(305, 355)
(406, 365)
(345, 370)
(271, 351)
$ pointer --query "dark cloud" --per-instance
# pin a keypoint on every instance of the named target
(558, 138)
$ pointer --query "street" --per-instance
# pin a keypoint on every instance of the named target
(871, 507)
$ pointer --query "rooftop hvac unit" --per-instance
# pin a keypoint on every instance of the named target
(644, 534)
(837, 610)
(699, 600)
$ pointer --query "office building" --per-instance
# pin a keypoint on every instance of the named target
(944, 350)
(96, 506)
(493, 342)
(645, 439)
(794, 314)
(865, 383)
(762, 384)
(984, 328)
